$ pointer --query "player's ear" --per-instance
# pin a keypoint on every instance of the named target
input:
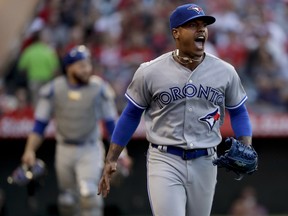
(175, 33)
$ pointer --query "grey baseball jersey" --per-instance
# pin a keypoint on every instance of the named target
(183, 107)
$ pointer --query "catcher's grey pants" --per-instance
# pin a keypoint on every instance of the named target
(79, 169)
(180, 187)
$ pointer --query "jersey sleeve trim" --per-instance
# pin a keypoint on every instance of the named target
(239, 104)
(132, 101)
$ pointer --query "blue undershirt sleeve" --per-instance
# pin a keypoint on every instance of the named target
(127, 124)
(39, 127)
(240, 121)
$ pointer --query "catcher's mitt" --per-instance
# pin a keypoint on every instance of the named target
(240, 158)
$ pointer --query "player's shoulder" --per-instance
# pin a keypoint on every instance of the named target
(96, 80)
(156, 61)
(47, 90)
(58, 82)
(104, 87)
(216, 61)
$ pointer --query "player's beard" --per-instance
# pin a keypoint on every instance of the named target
(81, 79)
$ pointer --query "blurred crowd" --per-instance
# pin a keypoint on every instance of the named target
(121, 34)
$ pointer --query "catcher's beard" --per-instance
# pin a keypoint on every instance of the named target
(184, 60)
(80, 80)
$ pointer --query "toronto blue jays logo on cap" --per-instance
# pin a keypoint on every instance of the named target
(195, 8)
(75, 54)
(211, 118)
(188, 12)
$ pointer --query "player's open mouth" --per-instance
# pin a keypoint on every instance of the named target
(199, 42)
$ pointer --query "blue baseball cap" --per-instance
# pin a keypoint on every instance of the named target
(187, 12)
(76, 54)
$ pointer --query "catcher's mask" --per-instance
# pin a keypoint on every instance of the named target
(23, 174)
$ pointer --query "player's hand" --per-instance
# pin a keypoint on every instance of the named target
(104, 184)
(29, 158)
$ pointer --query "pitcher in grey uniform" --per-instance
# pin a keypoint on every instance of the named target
(76, 101)
(183, 95)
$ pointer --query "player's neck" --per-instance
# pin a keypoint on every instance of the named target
(186, 61)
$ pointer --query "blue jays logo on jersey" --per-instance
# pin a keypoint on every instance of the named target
(196, 9)
(211, 118)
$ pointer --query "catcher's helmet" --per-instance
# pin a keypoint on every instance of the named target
(76, 54)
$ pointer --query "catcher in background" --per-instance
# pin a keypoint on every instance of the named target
(77, 102)
(183, 95)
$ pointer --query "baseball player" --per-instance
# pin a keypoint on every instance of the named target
(77, 101)
(182, 95)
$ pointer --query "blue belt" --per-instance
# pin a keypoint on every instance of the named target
(77, 142)
(183, 153)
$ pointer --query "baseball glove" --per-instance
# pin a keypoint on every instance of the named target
(239, 158)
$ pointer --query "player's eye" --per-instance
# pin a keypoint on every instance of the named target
(192, 25)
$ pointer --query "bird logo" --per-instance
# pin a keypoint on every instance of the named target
(211, 118)
(195, 8)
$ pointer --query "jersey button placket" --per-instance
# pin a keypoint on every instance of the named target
(189, 117)
(188, 126)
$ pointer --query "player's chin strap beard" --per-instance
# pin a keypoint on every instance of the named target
(184, 60)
